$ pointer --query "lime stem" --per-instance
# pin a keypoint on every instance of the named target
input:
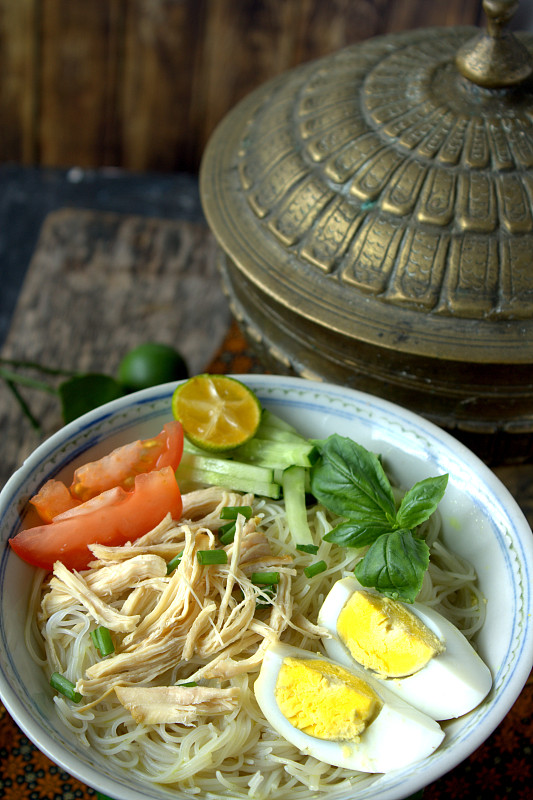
(25, 380)
(39, 367)
(24, 406)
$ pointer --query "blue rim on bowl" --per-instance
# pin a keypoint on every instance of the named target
(480, 517)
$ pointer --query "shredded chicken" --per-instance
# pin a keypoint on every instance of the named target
(75, 585)
(112, 555)
(206, 504)
(196, 623)
(182, 704)
(109, 581)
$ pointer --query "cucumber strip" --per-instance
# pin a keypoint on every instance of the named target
(270, 420)
(189, 447)
(293, 481)
(227, 466)
(276, 435)
(272, 433)
(278, 478)
(275, 429)
(225, 472)
(277, 455)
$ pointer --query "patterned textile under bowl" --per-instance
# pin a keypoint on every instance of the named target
(374, 211)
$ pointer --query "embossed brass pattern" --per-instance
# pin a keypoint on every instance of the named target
(382, 201)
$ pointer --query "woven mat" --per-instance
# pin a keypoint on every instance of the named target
(99, 284)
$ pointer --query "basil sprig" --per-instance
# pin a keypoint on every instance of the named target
(350, 481)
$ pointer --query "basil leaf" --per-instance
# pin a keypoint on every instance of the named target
(356, 534)
(395, 565)
(84, 392)
(349, 480)
(419, 503)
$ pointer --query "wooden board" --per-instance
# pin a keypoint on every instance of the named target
(98, 284)
(141, 84)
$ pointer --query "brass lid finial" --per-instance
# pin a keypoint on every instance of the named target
(495, 58)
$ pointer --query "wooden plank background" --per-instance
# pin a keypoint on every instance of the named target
(140, 84)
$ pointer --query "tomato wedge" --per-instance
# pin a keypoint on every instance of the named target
(120, 467)
(114, 517)
(52, 499)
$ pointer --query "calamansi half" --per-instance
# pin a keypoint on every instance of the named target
(217, 412)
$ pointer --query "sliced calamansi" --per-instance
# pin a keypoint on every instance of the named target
(217, 412)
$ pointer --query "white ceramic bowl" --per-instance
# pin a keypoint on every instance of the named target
(482, 522)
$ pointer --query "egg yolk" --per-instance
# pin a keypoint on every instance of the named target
(384, 636)
(325, 700)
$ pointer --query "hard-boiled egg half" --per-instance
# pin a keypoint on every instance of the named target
(412, 650)
(341, 716)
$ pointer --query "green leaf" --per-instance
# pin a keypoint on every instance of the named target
(395, 565)
(82, 393)
(354, 533)
(419, 503)
(350, 481)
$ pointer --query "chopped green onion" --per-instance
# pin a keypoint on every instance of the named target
(102, 641)
(226, 533)
(315, 569)
(308, 548)
(189, 683)
(265, 578)
(64, 686)
(173, 563)
(208, 557)
(267, 594)
(232, 512)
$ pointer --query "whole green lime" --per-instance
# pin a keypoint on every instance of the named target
(150, 364)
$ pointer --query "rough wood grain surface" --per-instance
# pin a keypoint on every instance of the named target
(99, 284)
(141, 84)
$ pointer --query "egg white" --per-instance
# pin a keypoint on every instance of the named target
(399, 735)
(451, 684)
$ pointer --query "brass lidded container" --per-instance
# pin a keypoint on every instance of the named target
(374, 211)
